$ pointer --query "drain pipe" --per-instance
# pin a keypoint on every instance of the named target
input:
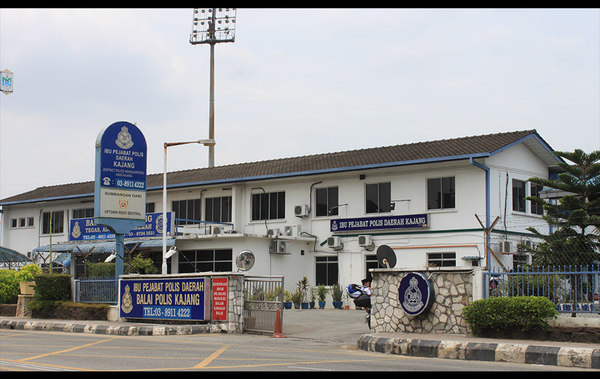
(487, 189)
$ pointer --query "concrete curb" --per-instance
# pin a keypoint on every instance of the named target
(499, 352)
(121, 330)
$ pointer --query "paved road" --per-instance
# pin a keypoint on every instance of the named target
(318, 340)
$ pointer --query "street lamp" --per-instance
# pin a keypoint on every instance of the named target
(205, 142)
(211, 26)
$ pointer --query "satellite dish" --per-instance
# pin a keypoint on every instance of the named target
(386, 256)
(245, 260)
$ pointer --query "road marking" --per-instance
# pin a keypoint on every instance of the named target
(211, 357)
(67, 350)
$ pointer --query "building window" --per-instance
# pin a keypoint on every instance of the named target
(371, 261)
(378, 197)
(218, 209)
(441, 259)
(326, 270)
(150, 207)
(535, 207)
(52, 222)
(187, 211)
(268, 206)
(30, 221)
(83, 213)
(441, 193)
(518, 195)
(327, 201)
(213, 260)
(13, 223)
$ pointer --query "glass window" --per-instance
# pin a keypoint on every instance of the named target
(441, 259)
(217, 260)
(268, 206)
(518, 195)
(218, 209)
(378, 197)
(52, 222)
(535, 207)
(187, 211)
(327, 201)
(326, 270)
(83, 213)
(441, 193)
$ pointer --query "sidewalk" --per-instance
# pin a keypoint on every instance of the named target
(347, 327)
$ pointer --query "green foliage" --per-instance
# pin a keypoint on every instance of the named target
(101, 269)
(53, 287)
(336, 292)
(296, 296)
(509, 314)
(576, 217)
(322, 292)
(9, 287)
(142, 265)
(28, 273)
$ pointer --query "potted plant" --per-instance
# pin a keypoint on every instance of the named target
(296, 298)
(26, 277)
(287, 299)
(313, 297)
(303, 287)
(321, 293)
(336, 295)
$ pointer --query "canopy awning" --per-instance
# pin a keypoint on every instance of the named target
(100, 246)
(12, 256)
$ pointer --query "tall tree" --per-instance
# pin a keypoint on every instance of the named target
(575, 218)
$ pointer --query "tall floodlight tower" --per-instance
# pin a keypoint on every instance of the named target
(211, 26)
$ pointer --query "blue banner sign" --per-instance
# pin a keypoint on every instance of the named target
(84, 229)
(415, 293)
(377, 223)
(167, 299)
(120, 186)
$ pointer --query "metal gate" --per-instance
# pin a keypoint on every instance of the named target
(263, 296)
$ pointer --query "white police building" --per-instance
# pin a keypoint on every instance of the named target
(320, 216)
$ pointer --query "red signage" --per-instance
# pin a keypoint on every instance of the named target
(219, 299)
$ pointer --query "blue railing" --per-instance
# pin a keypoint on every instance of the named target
(573, 288)
(200, 227)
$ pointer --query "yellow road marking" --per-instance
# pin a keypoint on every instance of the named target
(67, 350)
(211, 357)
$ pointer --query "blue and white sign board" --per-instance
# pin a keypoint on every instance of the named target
(415, 293)
(379, 223)
(6, 81)
(120, 191)
(172, 299)
(85, 229)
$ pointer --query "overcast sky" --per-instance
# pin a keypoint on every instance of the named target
(295, 82)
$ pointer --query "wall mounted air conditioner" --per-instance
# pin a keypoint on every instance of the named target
(292, 230)
(505, 247)
(217, 230)
(301, 210)
(279, 247)
(366, 241)
(273, 232)
(335, 243)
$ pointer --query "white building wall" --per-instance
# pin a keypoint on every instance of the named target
(453, 230)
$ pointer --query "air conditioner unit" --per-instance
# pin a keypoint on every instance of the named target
(217, 229)
(505, 247)
(335, 243)
(279, 247)
(273, 232)
(301, 210)
(292, 231)
(366, 241)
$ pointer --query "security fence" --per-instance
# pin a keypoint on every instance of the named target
(565, 268)
(96, 290)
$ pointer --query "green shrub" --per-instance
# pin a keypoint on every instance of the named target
(28, 273)
(101, 269)
(9, 287)
(53, 287)
(508, 314)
